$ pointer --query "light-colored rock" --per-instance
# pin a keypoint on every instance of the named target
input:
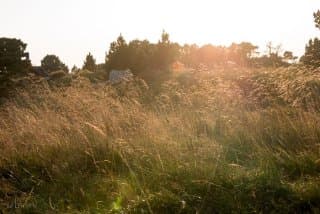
(117, 76)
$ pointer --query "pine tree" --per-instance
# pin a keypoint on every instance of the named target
(312, 53)
(118, 55)
(312, 50)
(89, 63)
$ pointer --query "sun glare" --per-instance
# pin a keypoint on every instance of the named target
(63, 26)
(162, 106)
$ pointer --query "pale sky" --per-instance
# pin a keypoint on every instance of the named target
(72, 28)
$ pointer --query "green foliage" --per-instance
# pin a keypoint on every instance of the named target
(52, 63)
(89, 63)
(141, 53)
(208, 55)
(117, 57)
(94, 77)
(242, 53)
(188, 55)
(74, 69)
(311, 56)
(273, 58)
(312, 53)
(211, 55)
(57, 74)
(143, 58)
(59, 79)
(288, 55)
(14, 61)
(166, 52)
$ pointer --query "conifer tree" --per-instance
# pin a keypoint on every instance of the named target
(89, 63)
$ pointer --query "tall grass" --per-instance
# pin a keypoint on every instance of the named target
(206, 142)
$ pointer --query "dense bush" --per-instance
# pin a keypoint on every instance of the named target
(14, 62)
(143, 58)
(52, 63)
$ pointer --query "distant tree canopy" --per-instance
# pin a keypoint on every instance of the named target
(74, 69)
(141, 53)
(89, 63)
(142, 57)
(151, 60)
(274, 57)
(52, 63)
(14, 60)
(117, 57)
(242, 53)
(288, 55)
(311, 56)
(312, 53)
(166, 52)
(210, 55)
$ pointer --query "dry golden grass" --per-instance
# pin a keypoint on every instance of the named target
(205, 142)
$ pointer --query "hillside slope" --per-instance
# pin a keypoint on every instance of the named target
(218, 141)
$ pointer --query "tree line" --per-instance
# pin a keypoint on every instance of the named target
(151, 60)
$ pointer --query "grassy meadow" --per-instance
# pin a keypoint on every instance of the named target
(223, 140)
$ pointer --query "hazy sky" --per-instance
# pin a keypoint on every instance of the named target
(72, 28)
